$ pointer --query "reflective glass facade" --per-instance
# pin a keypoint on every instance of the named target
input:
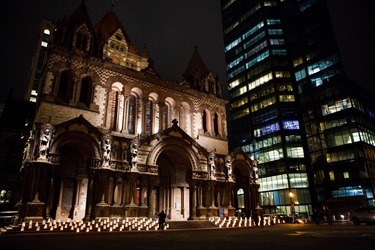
(263, 105)
(294, 110)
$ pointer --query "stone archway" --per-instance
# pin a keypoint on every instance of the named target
(242, 189)
(71, 177)
(174, 170)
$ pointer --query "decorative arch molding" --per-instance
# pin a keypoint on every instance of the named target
(242, 162)
(80, 132)
(113, 79)
(59, 67)
(176, 144)
(83, 142)
(85, 71)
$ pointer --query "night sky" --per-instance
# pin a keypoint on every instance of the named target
(170, 29)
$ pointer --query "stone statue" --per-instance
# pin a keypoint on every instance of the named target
(211, 163)
(134, 153)
(106, 153)
(255, 168)
(44, 144)
(228, 164)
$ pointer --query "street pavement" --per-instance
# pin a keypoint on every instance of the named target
(340, 236)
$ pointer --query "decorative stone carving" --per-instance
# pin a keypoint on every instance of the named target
(255, 169)
(134, 152)
(228, 164)
(44, 143)
(106, 153)
(211, 164)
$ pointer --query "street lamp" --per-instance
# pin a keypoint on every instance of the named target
(291, 195)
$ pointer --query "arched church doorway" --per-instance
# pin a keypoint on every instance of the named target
(242, 191)
(70, 183)
(172, 189)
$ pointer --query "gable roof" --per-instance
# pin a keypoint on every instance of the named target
(108, 25)
(80, 16)
(80, 120)
(175, 131)
(196, 68)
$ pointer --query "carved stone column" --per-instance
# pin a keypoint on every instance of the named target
(90, 196)
(131, 209)
(192, 199)
(150, 196)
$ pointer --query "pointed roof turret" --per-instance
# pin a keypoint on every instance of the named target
(144, 52)
(108, 25)
(196, 67)
(80, 16)
(150, 69)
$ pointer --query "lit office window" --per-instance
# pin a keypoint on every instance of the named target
(331, 175)
(273, 21)
(286, 98)
(298, 180)
(295, 152)
(252, 30)
(260, 81)
(299, 75)
(297, 62)
(291, 125)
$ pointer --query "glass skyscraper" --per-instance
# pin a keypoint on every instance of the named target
(285, 79)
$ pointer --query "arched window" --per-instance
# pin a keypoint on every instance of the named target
(216, 124)
(164, 117)
(149, 117)
(81, 41)
(132, 114)
(65, 87)
(86, 91)
(241, 198)
(204, 121)
(114, 109)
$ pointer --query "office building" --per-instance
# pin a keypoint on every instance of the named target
(291, 102)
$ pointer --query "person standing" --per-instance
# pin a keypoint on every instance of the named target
(315, 217)
(161, 220)
(328, 215)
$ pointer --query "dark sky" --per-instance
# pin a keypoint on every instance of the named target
(171, 28)
(354, 24)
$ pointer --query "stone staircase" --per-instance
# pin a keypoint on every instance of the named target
(190, 224)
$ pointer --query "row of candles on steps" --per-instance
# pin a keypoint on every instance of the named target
(224, 222)
(98, 226)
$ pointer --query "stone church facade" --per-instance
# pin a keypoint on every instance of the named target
(112, 139)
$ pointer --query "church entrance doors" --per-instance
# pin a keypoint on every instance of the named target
(70, 186)
(172, 194)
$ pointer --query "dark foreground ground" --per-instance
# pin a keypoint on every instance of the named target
(340, 236)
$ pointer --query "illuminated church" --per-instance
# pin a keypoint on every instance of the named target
(112, 139)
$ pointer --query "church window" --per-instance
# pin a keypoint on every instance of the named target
(216, 124)
(149, 117)
(114, 109)
(86, 91)
(132, 114)
(204, 121)
(81, 41)
(65, 87)
(241, 198)
(164, 117)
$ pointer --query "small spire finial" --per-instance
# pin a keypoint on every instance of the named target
(113, 2)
